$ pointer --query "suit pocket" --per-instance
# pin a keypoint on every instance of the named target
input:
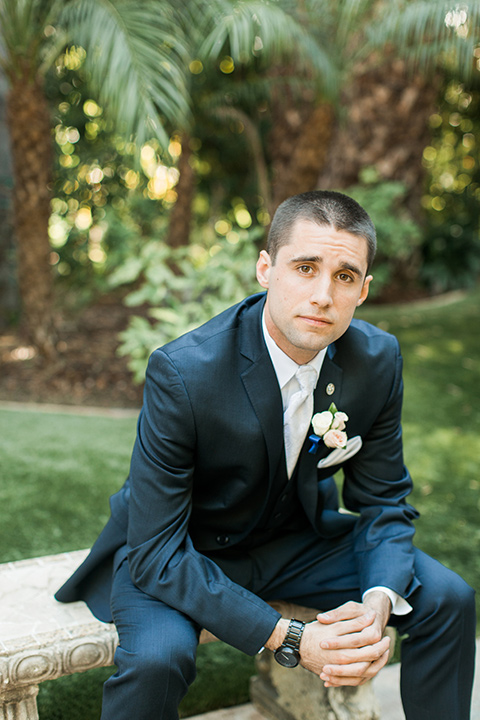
(340, 455)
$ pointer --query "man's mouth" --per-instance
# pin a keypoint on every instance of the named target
(315, 320)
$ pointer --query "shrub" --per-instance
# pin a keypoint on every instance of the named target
(399, 236)
(182, 289)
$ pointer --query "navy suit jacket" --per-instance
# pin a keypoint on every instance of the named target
(209, 443)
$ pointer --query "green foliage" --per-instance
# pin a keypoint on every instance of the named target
(451, 247)
(135, 57)
(90, 191)
(276, 33)
(103, 203)
(398, 235)
(431, 34)
(183, 289)
(25, 38)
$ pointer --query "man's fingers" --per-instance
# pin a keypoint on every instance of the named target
(378, 664)
(353, 669)
(353, 638)
(353, 633)
(353, 674)
(342, 682)
(346, 657)
(348, 611)
(359, 667)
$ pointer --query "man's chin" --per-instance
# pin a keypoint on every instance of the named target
(318, 338)
(310, 347)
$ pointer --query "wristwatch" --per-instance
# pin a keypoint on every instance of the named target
(288, 654)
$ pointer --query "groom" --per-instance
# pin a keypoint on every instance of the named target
(230, 500)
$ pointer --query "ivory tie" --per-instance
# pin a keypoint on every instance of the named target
(298, 415)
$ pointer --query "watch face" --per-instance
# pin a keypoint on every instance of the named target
(286, 656)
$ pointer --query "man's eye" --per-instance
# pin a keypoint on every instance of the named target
(344, 277)
(305, 269)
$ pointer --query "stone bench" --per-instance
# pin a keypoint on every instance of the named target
(42, 639)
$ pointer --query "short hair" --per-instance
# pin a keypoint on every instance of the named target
(323, 207)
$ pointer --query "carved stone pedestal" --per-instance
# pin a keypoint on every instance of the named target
(19, 703)
(285, 694)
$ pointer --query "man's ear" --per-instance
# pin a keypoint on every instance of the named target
(264, 265)
(365, 289)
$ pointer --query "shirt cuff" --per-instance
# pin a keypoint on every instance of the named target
(399, 605)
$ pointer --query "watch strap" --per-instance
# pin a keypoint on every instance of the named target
(294, 634)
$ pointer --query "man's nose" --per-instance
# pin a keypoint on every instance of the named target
(322, 292)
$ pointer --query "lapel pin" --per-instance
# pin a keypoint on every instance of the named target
(330, 389)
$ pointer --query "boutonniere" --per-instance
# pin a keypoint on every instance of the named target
(329, 426)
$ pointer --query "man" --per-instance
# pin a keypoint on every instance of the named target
(228, 506)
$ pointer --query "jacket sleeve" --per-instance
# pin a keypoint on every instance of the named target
(162, 559)
(376, 485)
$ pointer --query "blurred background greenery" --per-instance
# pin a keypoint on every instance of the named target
(151, 143)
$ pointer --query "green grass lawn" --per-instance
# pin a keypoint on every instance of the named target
(441, 421)
(58, 470)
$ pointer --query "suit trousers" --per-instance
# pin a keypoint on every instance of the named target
(156, 654)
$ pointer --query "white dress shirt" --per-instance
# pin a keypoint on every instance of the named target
(285, 369)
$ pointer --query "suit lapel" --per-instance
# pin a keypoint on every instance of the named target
(329, 386)
(328, 390)
(261, 385)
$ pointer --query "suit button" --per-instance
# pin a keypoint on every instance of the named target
(277, 516)
(223, 539)
(283, 498)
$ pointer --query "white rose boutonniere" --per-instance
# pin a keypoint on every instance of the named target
(322, 422)
(329, 426)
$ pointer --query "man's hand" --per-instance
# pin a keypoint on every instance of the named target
(346, 645)
(371, 616)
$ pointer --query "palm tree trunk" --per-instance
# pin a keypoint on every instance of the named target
(181, 214)
(8, 287)
(29, 124)
(302, 126)
(386, 127)
(301, 138)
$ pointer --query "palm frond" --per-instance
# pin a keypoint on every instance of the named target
(249, 29)
(352, 15)
(136, 58)
(22, 34)
(428, 31)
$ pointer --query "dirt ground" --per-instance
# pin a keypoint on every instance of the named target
(87, 371)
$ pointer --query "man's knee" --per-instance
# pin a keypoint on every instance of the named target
(161, 645)
(443, 594)
(160, 659)
(453, 594)
(158, 664)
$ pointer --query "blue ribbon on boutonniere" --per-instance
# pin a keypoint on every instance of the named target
(315, 440)
(329, 426)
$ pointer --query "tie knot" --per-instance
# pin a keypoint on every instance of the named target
(307, 377)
